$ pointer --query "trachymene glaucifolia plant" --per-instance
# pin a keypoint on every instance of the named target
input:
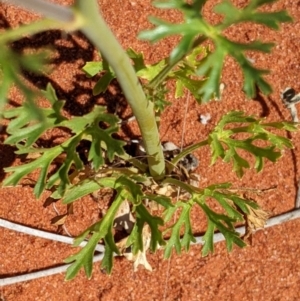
(136, 182)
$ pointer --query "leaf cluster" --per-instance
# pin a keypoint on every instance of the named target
(184, 76)
(24, 131)
(188, 65)
(195, 28)
(225, 143)
(12, 66)
(131, 183)
(233, 206)
(127, 189)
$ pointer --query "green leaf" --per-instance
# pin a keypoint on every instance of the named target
(194, 26)
(162, 30)
(92, 68)
(62, 174)
(232, 15)
(86, 187)
(208, 239)
(160, 199)
(239, 164)
(135, 238)
(43, 163)
(25, 128)
(24, 131)
(185, 81)
(145, 71)
(135, 193)
(283, 125)
(235, 117)
(184, 47)
(169, 212)
(225, 225)
(216, 147)
(212, 68)
(83, 259)
(154, 222)
(100, 230)
(107, 261)
(103, 83)
(138, 60)
(188, 235)
(110, 248)
(241, 203)
(183, 220)
(12, 66)
(226, 146)
(225, 201)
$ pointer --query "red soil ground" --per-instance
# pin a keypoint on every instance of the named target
(267, 270)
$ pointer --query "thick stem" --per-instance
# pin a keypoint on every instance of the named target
(102, 37)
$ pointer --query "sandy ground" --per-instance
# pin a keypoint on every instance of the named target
(267, 270)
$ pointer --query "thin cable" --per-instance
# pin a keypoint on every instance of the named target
(43, 234)
(184, 119)
(297, 202)
(274, 221)
(178, 191)
(167, 279)
(290, 99)
(40, 274)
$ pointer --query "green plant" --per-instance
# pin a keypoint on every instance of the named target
(192, 66)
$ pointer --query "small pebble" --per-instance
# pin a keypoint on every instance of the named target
(205, 118)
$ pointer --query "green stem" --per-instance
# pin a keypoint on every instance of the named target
(160, 77)
(96, 29)
(187, 151)
(187, 187)
(101, 36)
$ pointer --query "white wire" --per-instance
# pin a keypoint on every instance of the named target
(297, 202)
(218, 237)
(40, 274)
(43, 234)
(273, 221)
(178, 191)
(65, 14)
(199, 240)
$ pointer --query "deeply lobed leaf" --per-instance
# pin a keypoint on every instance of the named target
(195, 25)
(183, 221)
(25, 131)
(226, 146)
(100, 230)
(11, 66)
